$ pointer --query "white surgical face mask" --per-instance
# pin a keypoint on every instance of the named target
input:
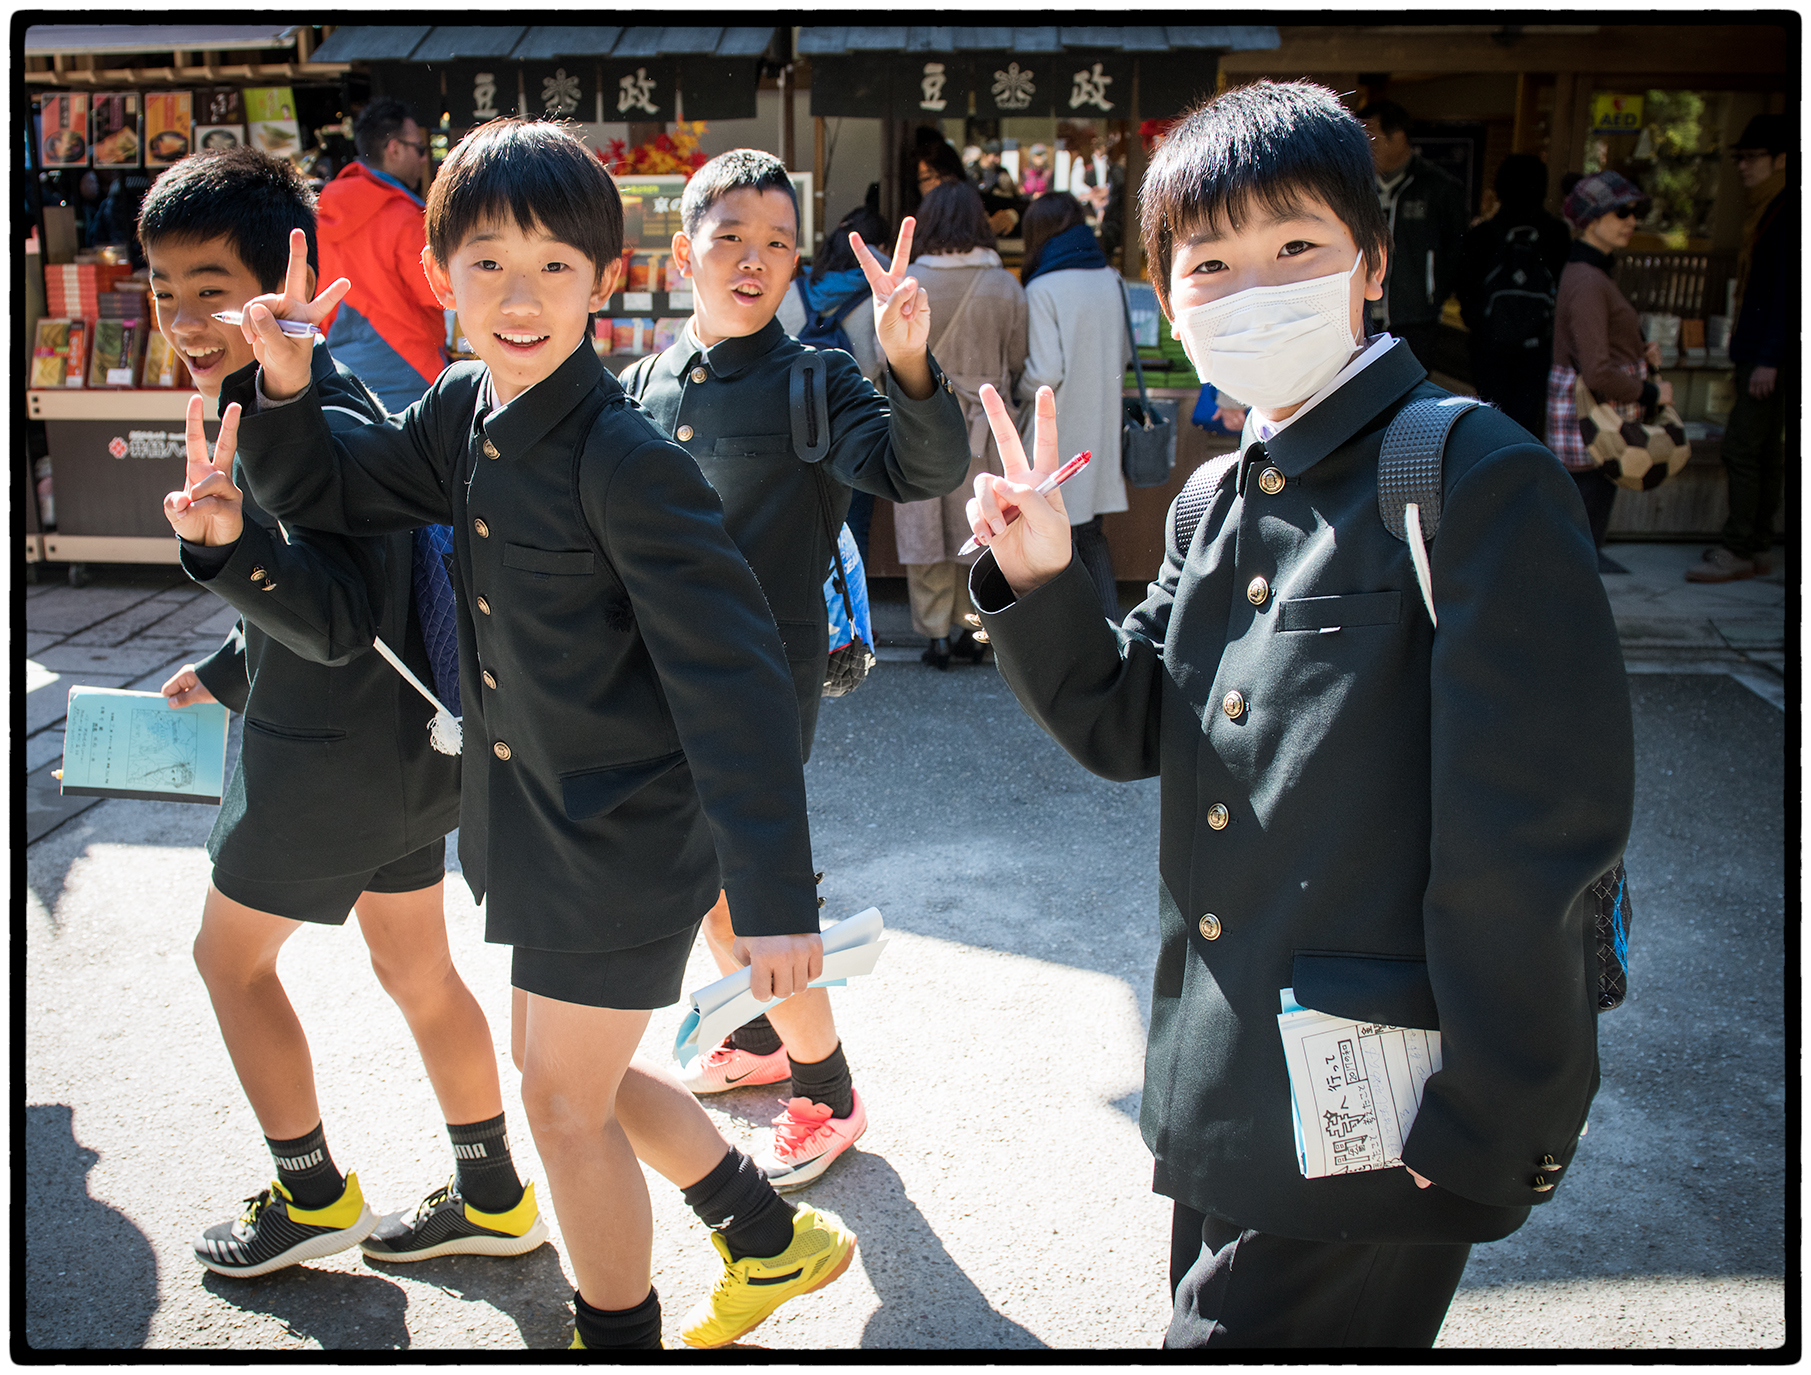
(1271, 346)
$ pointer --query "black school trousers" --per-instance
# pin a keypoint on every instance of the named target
(1238, 1288)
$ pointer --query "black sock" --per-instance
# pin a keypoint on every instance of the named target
(618, 1329)
(487, 1176)
(306, 1170)
(757, 1037)
(827, 1081)
(736, 1199)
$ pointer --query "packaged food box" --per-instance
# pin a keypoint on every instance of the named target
(118, 351)
(58, 352)
(163, 363)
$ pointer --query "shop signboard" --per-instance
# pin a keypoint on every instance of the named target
(1009, 86)
(112, 475)
(719, 87)
(637, 91)
(478, 92)
(416, 86)
(561, 90)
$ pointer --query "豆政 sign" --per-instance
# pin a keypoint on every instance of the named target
(1616, 114)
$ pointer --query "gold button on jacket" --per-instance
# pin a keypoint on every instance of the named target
(1210, 927)
(1270, 481)
(683, 433)
(1257, 591)
(700, 375)
(1233, 704)
(489, 681)
(484, 606)
(490, 450)
(1218, 816)
(258, 573)
(500, 749)
(482, 529)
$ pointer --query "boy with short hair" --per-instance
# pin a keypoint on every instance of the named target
(1362, 811)
(745, 399)
(331, 806)
(630, 733)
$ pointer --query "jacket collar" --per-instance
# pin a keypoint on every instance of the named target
(382, 178)
(1346, 412)
(725, 358)
(1583, 252)
(524, 422)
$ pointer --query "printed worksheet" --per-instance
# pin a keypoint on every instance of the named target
(119, 743)
(1356, 1087)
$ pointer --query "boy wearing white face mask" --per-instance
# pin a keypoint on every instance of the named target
(1380, 819)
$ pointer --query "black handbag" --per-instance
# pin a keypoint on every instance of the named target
(1147, 440)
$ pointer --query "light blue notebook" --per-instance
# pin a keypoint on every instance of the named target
(119, 743)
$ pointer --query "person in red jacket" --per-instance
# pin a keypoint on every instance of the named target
(390, 330)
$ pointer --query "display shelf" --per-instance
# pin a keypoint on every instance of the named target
(113, 403)
(112, 549)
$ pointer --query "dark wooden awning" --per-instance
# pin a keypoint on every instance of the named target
(540, 42)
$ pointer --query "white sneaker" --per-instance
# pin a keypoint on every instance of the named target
(725, 1067)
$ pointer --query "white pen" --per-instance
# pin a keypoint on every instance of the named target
(1043, 489)
(295, 329)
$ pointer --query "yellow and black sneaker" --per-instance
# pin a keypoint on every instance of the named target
(272, 1232)
(444, 1224)
(750, 1289)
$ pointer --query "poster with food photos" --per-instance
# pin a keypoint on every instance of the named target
(63, 129)
(114, 120)
(169, 124)
(220, 105)
(270, 121)
(211, 138)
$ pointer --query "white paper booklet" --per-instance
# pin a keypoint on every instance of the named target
(851, 947)
(1356, 1087)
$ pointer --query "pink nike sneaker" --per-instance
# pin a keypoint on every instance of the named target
(724, 1067)
(806, 1139)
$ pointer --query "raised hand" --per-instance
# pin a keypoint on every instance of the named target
(1036, 547)
(902, 312)
(185, 688)
(209, 508)
(286, 359)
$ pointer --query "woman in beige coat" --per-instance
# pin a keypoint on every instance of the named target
(978, 336)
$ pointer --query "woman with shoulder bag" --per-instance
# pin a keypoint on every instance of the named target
(1597, 338)
(978, 336)
(1080, 351)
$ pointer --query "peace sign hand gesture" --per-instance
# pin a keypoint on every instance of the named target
(1035, 547)
(286, 360)
(902, 312)
(208, 510)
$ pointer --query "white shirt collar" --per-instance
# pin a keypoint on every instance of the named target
(1258, 429)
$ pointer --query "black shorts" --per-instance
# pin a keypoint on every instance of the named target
(328, 901)
(638, 979)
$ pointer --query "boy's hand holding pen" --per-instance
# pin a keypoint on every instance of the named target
(1026, 529)
(284, 356)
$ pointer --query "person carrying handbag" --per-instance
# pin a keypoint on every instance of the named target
(1597, 338)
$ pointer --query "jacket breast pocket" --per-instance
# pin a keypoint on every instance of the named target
(550, 562)
(1391, 990)
(595, 792)
(752, 446)
(1340, 613)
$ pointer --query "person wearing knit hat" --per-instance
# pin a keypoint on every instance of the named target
(1763, 348)
(1597, 336)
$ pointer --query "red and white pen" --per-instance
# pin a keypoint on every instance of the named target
(1043, 489)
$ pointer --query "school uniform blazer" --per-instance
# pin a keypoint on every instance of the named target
(335, 772)
(731, 407)
(1394, 821)
(628, 714)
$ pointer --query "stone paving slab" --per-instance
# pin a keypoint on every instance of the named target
(45, 747)
(45, 806)
(136, 658)
(37, 640)
(69, 610)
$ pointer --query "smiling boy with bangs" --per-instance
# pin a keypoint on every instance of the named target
(631, 739)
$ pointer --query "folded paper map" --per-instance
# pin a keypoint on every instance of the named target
(850, 947)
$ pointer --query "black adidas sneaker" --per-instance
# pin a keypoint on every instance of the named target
(444, 1224)
(272, 1232)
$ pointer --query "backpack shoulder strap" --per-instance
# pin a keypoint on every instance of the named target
(808, 392)
(1198, 494)
(1409, 478)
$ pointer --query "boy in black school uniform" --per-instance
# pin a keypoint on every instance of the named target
(630, 730)
(1380, 814)
(337, 802)
(740, 393)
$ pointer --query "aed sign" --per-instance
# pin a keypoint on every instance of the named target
(1616, 114)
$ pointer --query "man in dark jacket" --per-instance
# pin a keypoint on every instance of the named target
(1508, 278)
(785, 433)
(1764, 348)
(1427, 214)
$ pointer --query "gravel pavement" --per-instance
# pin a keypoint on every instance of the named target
(1001, 1192)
